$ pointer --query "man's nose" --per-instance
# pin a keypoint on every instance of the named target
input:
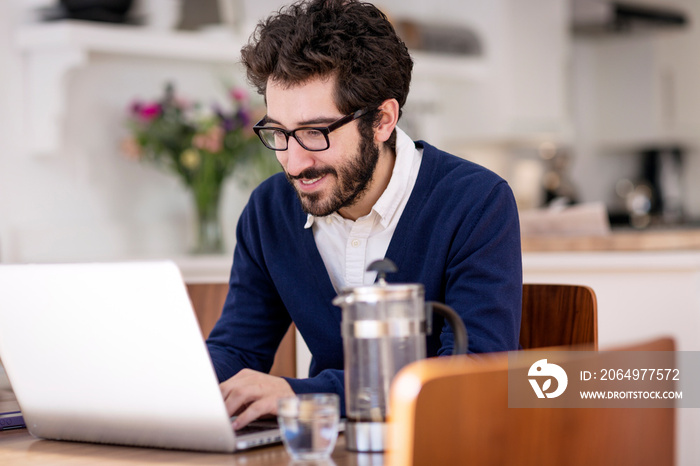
(298, 158)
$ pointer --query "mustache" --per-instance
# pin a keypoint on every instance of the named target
(312, 173)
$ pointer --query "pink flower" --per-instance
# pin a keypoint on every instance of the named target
(149, 112)
(145, 111)
(212, 140)
(239, 94)
(135, 107)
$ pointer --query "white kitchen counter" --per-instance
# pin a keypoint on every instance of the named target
(205, 269)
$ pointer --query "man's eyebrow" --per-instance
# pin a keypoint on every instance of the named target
(314, 121)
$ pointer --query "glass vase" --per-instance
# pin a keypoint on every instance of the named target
(209, 233)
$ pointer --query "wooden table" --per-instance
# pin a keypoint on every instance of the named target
(18, 447)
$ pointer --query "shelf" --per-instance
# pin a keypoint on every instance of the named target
(129, 40)
(51, 50)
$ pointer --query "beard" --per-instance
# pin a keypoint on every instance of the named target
(352, 180)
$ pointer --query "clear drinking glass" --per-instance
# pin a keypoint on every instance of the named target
(309, 425)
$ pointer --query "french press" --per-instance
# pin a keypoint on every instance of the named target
(384, 327)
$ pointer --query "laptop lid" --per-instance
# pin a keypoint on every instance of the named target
(110, 353)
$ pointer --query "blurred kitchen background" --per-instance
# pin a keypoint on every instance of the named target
(585, 103)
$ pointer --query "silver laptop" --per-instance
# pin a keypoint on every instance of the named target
(112, 353)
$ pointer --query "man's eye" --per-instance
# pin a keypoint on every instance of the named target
(313, 133)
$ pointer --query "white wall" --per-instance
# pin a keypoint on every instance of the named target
(8, 125)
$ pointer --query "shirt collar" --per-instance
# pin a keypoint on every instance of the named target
(390, 199)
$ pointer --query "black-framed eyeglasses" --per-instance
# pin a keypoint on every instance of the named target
(311, 138)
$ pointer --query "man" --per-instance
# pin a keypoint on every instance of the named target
(355, 189)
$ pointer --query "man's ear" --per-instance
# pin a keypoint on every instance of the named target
(389, 110)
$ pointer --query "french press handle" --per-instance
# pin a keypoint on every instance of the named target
(384, 266)
(455, 321)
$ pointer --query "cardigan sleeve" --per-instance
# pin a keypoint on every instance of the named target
(483, 278)
(327, 381)
(254, 319)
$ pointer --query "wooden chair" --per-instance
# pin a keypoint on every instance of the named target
(558, 315)
(208, 302)
(454, 410)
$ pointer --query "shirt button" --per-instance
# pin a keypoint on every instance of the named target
(329, 220)
(355, 243)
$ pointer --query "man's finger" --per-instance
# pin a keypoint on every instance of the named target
(254, 411)
(237, 403)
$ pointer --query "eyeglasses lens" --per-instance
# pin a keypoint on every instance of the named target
(311, 139)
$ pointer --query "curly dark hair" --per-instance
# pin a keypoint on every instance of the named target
(348, 39)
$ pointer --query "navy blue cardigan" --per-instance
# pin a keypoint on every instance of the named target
(458, 235)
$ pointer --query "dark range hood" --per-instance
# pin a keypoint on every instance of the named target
(599, 17)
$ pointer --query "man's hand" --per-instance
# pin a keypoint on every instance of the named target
(251, 394)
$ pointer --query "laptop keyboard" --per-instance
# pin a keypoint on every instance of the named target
(257, 426)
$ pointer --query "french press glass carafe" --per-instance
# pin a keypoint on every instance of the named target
(383, 328)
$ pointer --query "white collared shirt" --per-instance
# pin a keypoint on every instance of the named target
(347, 247)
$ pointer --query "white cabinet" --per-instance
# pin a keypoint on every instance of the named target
(536, 72)
(644, 85)
(636, 90)
(521, 92)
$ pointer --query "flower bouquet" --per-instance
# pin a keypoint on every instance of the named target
(202, 147)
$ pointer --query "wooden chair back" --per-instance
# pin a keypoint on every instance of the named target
(208, 301)
(454, 410)
(558, 315)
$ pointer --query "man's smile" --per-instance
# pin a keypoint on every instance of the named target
(311, 181)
